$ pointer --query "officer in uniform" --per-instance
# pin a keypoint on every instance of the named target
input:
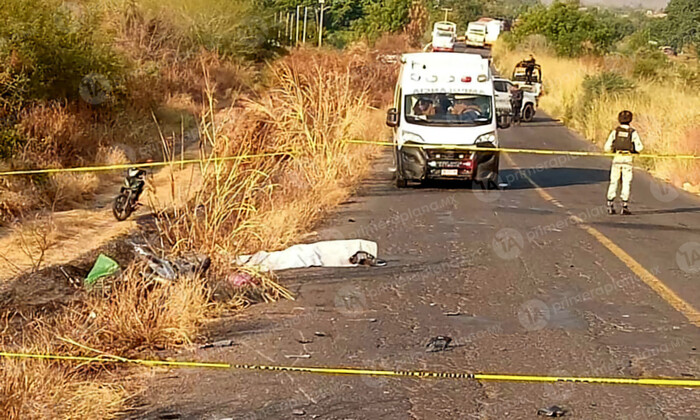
(624, 141)
(516, 103)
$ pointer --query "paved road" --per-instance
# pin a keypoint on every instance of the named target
(535, 279)
(536, 293)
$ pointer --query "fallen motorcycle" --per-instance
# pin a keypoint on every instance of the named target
(128, 199)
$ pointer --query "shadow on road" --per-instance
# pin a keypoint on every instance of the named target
(542, 122)
(552, 177)
(645, 226)
(670, 211)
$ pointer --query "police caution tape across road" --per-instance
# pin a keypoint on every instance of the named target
(376, 143)
(140, 165)
(667, 382)
(522, 151)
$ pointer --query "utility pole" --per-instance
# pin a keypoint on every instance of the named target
(306, 15)
(290, 18)
(320, 26)
(446, 10)
(278, 20)
(297, 31)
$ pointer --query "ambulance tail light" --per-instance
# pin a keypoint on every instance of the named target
(466, 79)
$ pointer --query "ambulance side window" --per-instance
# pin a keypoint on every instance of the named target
(499, 86)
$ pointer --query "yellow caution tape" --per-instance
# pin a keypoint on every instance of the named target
(138, 165)
(525, 151)
(672, 382)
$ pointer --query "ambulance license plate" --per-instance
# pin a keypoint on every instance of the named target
(449, 172)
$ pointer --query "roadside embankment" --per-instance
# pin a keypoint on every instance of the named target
(313, 100)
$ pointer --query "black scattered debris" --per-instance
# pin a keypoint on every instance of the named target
(351, 220)
(320, 334)
(439, 343)
(365, 258)
(221, 343)
(304, 341)
(172, 269)
(452, 313)
(553, 411)
(298, 412)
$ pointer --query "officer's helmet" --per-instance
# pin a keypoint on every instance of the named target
(624, 117)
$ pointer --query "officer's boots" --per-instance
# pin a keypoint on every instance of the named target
(625, 209)
(611, 207)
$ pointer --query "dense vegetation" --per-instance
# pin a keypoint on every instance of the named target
(681, 29)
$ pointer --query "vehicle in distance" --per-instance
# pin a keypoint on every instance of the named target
(444, 36)
(502, 89)
(442, 102)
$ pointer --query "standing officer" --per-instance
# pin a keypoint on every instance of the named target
(516, 103)
(623, 141)
(529, 69)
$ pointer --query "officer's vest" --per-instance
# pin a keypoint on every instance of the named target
(623, 140)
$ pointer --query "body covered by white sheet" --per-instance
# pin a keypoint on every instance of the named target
(319, 254)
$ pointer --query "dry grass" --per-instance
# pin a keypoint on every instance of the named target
(319, 99)
(134, 317)
(667, 114)
(316, 100)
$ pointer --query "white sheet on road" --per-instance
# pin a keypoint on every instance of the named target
(319, 254)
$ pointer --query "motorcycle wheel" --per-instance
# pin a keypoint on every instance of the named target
(121, 207)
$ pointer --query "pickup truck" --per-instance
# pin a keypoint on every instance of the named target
(502, 89)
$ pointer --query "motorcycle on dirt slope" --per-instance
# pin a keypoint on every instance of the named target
(128, 199)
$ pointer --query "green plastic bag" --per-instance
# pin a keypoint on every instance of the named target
(104, 266)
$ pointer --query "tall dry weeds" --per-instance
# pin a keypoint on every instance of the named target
(318, 100)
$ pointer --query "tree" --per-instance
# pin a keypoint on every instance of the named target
(571, 30)
(681, 27)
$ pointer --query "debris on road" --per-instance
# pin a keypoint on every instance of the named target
(339, 253)
(320, 334)
(298, 412)
(173, 269)
(221, 343)
(364, 258)
(104, 267)
(240, 279)
(439, 343)
(297, 356)
(553, 411)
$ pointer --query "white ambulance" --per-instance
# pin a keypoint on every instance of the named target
(441, 101)
(444, 36)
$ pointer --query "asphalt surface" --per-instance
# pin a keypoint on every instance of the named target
(517, 284)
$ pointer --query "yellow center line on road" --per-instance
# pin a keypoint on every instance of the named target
(647, 277)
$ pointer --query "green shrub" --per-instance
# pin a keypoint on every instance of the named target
(573, 31)
(46, 50)
(10, 140)
(232, 28)
(650, 65)
(605, 83)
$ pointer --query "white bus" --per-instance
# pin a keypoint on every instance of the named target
(442, 101)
